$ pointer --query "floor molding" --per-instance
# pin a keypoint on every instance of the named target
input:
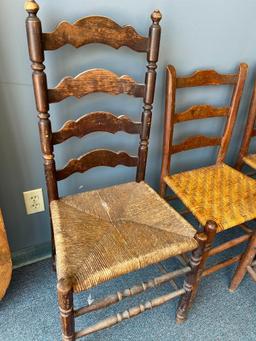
(30, 255)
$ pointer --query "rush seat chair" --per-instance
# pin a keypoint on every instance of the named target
(217, 192)
(102, 234)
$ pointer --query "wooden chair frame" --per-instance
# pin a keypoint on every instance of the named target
(202, 78)
(247, 262)
(249, 132)
(102, 30)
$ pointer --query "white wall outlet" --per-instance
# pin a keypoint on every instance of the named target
(34, 201)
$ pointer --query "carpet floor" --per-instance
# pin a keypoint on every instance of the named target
(29, 311)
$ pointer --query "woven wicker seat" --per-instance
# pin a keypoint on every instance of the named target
(250, 160)
(99, 238)
(219, 192)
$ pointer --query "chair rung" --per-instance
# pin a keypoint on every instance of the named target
(163, 269)
(135, 290)
(251, 272)
(183, 259)
(221, 265)
(246, 229)
(127, 314)
(228, 245)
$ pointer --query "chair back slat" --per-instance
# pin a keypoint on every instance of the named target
(205, 78)
(93, 122)
(96, 80)
(95, 158)
(196, 112)
(193, 142)
(94, 29)
(199, 78)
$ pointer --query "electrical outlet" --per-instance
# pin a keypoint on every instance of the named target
(34, 201)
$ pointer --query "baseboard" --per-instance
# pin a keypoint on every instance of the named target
(30, 255)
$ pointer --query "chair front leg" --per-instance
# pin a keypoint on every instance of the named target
(246, 261)
(197, 262)
(65, 299)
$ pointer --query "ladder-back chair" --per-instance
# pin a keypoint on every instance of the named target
(247, 262)
(216, 192)
(246, 158)
(103, 234)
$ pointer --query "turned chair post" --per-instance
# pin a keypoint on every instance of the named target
(36, 53)
(197, 262)
(150, 80)
(245, 264)
(65, 299)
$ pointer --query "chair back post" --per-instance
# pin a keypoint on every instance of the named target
(36, 53)
(236, 98)
(248, 133)
(170, 95)
(150, 81)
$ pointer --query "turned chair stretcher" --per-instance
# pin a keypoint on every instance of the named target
(103, 234)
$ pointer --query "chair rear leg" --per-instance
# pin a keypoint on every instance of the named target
(65, 299)
(197, 262)
(246, 261)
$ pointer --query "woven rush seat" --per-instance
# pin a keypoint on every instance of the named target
(105, 233)
(218, 192)
(250, 160)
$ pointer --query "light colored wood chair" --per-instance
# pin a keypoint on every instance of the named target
(247, 262)
(103, 234)
(217, 192)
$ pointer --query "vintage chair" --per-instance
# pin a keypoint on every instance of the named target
(103, 234)
(247, 262)
(217, 192)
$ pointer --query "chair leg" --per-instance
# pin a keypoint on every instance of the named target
(197, 262)
(246, 261)
(65, 299)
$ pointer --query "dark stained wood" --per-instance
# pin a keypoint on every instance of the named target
(206, 78)
(65, 299)
(96, 80)
(235, 102)
(5, 260)
(249, 131)
(135, 290)
(245, 264)
(200, 112)
(150, 82)
(100, 157)
(221, 265)
(94, 29)
(196, 142)
(93, 122)
(127, 314)
(227, 245)
(85, 31)
(197, 263)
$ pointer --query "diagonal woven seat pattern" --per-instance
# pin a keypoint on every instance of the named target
(218, 192)
(102, 234)
(250, 160)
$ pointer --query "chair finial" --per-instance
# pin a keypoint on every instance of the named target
(31, 6)
(156, 16)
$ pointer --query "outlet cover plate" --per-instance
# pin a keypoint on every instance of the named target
(34, 201)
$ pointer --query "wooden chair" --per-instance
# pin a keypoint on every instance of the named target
(247, 262)
(216, 192)
(103, 234)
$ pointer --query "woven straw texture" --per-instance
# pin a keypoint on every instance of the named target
(250, 160)
(102, 234)
(217, 192)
